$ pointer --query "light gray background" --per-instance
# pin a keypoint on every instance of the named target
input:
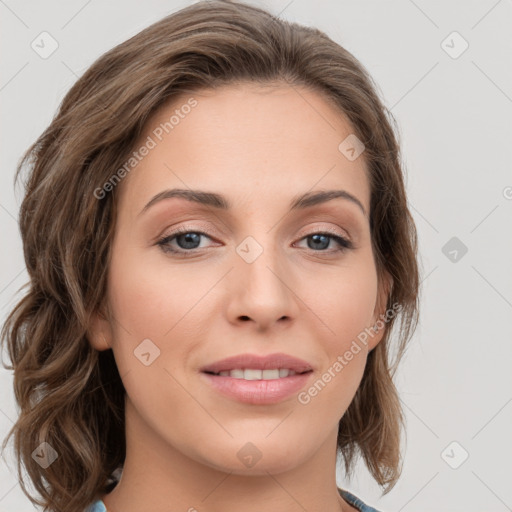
(455, 122)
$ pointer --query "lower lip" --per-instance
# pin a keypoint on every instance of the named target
(258, 392)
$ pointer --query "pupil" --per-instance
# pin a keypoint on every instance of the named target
(191, 240)
(318, 238)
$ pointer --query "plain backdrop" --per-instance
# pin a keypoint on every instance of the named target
(444, 68)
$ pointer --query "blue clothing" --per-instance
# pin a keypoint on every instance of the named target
(354, 501)
(99, 506)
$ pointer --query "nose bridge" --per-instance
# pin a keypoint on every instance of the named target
(261, 279)
(260, 259)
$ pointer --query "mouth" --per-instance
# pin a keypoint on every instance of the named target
(255, 367)
(257, 374)
(255, 390)
(258, 380)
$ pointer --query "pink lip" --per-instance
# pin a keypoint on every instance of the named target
(257, 392)
(278, 360)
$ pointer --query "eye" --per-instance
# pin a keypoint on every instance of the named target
(186, 239)
(320, 241)
(189, 240)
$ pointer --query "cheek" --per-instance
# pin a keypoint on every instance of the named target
(139, 307)
(345, 310)
(150, 301)
(344, 300)
(148, 311)
(143, 296)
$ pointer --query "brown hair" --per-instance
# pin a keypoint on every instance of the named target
(71, 395)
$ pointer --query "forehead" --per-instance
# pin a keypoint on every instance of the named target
(248, 141)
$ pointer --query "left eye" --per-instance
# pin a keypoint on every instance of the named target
(189, 240)
(322, 240)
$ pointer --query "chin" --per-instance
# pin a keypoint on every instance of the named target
(248, 459)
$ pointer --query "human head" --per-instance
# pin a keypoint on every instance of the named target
(61, 382)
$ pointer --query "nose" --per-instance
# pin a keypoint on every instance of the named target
(261, 290)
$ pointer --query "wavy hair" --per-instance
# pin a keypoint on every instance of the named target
(69, 394)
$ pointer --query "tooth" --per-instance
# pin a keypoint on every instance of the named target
(270, 374)
(252, 374)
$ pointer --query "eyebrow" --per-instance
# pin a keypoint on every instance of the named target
(220, 202)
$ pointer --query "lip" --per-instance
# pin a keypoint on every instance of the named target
(257, 392)
(254, 361)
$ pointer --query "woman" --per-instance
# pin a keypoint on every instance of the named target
(217, 235)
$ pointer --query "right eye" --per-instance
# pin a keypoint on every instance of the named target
(188, 239)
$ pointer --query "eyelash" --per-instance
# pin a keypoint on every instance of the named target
(344, 244)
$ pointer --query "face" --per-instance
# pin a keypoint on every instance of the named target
(250, 273)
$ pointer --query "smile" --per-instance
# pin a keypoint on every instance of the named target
(255, 374)
(257, 387)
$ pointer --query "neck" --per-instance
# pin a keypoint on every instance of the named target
(159, 477)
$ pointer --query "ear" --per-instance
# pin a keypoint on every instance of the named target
(379, 314)
(99, 333)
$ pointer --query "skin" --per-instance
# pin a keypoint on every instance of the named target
(260, 147)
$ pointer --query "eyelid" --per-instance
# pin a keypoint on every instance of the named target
(333, 231)
(203, 229)
(343, 242)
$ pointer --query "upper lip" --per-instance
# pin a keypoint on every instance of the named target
(253, 361)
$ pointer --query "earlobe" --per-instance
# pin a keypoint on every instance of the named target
(384, 292)
(99, 333)
(379, 318)
(378, 331)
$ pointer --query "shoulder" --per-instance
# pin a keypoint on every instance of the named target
(97, 506)
(356, 502)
